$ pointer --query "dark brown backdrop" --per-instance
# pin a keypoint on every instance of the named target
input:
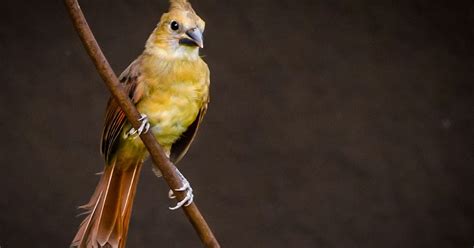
(332, 123)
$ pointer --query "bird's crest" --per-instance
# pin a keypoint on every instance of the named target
(181, 5)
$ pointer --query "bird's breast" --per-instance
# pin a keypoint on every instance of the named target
(172, 109)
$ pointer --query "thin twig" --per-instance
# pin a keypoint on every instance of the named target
(159, 158)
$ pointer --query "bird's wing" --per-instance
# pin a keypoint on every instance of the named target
(115, 118)
(181, 146)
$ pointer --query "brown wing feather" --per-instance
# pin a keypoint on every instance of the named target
(115, 118)
(181, 146)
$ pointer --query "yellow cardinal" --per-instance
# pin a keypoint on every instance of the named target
(169, 84)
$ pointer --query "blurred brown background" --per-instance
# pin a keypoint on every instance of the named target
(332, 123)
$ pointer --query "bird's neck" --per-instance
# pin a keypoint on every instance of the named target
(159, 69)
(167, 51)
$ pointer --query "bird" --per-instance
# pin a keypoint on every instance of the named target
(169, 85)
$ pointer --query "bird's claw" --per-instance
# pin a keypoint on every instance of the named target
(144, 127)
(171, 194)
(188, 198)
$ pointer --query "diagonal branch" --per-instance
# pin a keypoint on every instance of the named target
(159, 158)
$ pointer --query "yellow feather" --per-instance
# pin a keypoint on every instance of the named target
(175, 92)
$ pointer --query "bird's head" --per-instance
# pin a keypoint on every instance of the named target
(179, 34)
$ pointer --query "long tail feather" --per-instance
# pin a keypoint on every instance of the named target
(109, 208)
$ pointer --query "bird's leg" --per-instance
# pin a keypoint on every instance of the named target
(188, 198)
(142, 129)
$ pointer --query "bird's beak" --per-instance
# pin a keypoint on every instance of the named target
(194, 38)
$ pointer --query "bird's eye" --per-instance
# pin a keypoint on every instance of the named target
(174, 25)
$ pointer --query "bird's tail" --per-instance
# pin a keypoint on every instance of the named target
(109, 209)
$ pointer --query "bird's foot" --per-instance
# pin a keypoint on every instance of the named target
(144, 127)
(188, 198)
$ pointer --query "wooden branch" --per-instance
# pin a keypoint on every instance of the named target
(159, 158)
